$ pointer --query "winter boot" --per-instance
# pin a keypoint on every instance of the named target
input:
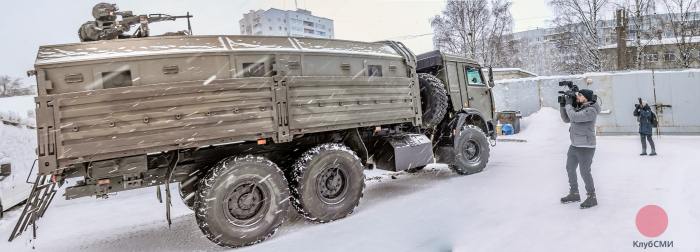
(653, 153)
(572, 197)
(643, 154)
(591, 201)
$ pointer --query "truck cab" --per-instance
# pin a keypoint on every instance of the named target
(467, 89)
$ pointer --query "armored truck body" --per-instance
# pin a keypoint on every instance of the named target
(249, 125)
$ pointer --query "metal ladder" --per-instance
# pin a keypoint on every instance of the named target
(39, 199)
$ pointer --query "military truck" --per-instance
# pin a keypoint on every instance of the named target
(250, 125)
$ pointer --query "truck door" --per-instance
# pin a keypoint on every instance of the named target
(478, 93)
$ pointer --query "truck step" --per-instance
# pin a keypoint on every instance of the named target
(39, 199)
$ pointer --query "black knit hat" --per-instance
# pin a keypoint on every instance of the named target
(587, 93)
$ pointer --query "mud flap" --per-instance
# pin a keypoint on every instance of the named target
(445, 154)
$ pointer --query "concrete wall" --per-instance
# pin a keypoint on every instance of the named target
(617, 92)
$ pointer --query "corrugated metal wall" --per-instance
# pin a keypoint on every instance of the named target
(618, 92)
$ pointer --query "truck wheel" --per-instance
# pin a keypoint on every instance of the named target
(433, 99)
(188, 190)
(241, 201)
(471, 151)
(327, 182)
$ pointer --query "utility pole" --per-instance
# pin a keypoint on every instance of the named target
(621, 29)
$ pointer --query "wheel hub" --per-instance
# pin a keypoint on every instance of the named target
(471, 150)
(331, 183)
(245, 201)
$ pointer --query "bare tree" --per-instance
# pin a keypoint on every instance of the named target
(13, 87)
(684, 23)
(577, 22)
(476, 29)
(643, 24)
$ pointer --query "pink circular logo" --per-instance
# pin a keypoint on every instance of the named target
(652, 221)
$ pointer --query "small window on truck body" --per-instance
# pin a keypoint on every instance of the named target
(374, 70)
(116, 79)
(474, 76)
(254, 69)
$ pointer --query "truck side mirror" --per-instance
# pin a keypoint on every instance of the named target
(491, 81)
(5, 170)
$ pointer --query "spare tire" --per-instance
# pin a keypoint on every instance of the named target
(433, 99)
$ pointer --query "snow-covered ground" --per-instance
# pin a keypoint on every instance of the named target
(512, 206)
(17, 145)
(18, 109)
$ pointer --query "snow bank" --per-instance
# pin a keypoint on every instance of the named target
(543, 125)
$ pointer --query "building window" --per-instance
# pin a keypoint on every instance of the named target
(307, 23)
(374, 70)
(651, 57)
(309, 31)
(669, 56)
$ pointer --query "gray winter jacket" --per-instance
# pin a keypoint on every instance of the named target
(582, 129)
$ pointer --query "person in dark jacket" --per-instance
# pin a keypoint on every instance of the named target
(583, 143)
(646, 119)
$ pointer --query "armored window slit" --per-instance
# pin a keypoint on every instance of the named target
(171, 69)
(74, 78)
(345, 66)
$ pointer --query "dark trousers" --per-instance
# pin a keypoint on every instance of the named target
(646, 138)
(583, 158)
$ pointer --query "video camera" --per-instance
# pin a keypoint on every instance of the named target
(573, 89)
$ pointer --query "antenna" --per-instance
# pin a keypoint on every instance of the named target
(189, 26)
(296, 6)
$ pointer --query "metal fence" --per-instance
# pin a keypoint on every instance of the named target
(673, 95)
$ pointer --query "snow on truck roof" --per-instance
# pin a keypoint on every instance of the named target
(120, 48)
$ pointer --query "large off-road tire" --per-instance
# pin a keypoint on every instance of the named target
(188, 189)
(471, 151)
(241, 201)
(433, 99)
(327, 182)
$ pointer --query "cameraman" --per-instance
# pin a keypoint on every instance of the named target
(582, 135)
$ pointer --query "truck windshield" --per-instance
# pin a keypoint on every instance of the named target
(474, 76)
